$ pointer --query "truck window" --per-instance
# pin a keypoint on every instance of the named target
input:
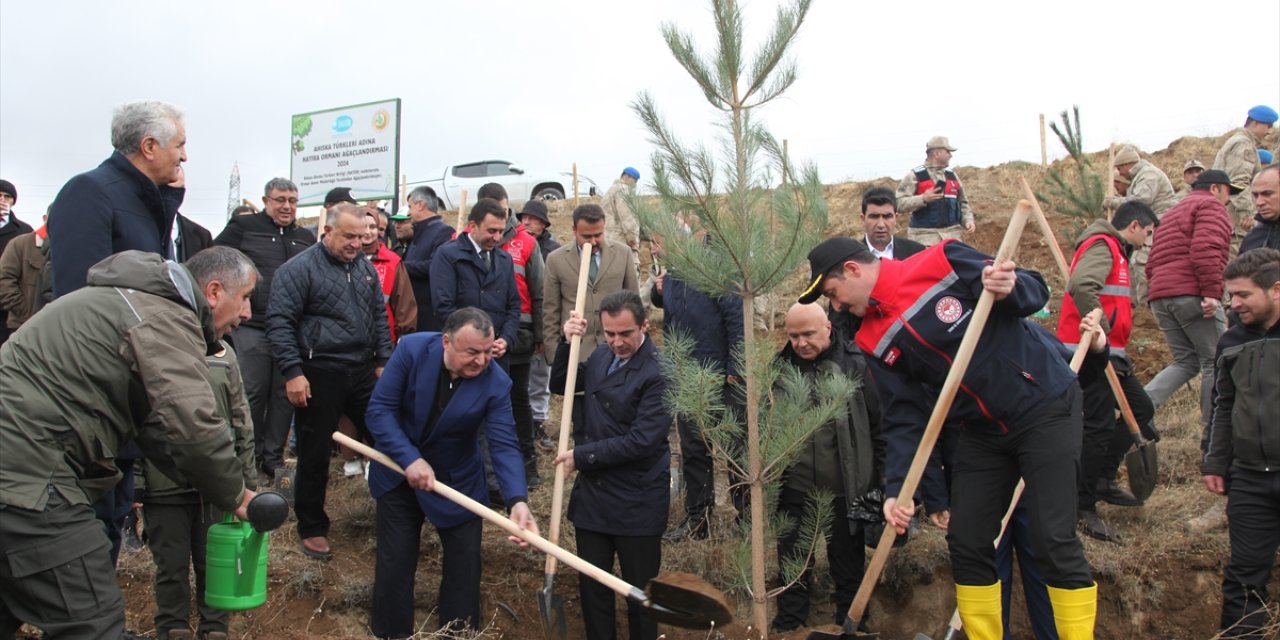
(474, 170)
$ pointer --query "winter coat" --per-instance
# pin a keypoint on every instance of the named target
(620, 223)
(402, 307)
(843, 455)
(428, 236)
(1265, 233)
(269, 246)
(621, 452)
(526, 256)
(106, 210)
(21, 265)
(1244, 431)
(460, 279)
(617, 272)
(1238, 157)
(1189, 250)
(714, 324)
(327, 313)
(120, 359)
(192, 238)
(1151, 187)
(233, 409)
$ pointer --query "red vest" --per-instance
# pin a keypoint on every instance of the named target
(385, 262)
(521, 247)
(1114, 297)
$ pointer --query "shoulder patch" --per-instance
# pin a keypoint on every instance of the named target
(948, 309)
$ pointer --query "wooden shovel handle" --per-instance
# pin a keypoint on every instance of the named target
(964, 353)
(566, 409)
(462, 210)
(1043, 221)
(538, 542)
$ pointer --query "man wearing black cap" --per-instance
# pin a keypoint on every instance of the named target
(1020, 406)
(338, 194)
(1184, 270)
(10, 228)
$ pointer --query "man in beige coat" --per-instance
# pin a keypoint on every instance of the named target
(1150, 186)
(615, 269)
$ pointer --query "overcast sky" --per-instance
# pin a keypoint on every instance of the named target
(549, 83)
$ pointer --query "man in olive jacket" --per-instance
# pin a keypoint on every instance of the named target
(121, 359)
(843, 457)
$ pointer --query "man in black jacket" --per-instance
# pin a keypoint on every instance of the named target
(10, 228)
(327, 324)
(1242, 440)
(1266, 199)
(270, 238)
(428, 232)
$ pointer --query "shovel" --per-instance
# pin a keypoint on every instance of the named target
(1142, 462)
(674, 598)
(950, 386)
(953, 628)
(550, 605)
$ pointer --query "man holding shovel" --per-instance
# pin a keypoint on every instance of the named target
(1019, 402)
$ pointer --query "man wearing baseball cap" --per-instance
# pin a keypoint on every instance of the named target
(1020, 407)
(1239, 159)
(934, 197)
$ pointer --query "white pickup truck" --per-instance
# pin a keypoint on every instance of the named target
(520, 185)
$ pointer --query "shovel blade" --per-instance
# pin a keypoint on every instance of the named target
(551, 608)
(687, 601)
(1143, 465)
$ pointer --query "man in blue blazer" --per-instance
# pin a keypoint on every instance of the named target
(620, 499)
(435, 394)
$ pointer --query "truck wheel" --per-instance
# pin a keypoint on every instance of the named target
(549, 193)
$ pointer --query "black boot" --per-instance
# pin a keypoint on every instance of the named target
(695, 528)
(1095, 527)
(1112, 493)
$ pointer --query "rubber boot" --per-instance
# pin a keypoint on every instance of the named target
(1074, 611)
(980, 611)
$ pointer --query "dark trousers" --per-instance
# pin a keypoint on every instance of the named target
(521, 410)
(399, 529)
(1106, 437)
(639, 558)
(333, 393)
(57, 574)
(1044, 449)
(114, 506)
(177, 535)
(697, 466)
(1017, 538)
(268, 405)
(846, 552)
(1253, 522)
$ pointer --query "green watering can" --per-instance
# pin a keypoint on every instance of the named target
(236, 555)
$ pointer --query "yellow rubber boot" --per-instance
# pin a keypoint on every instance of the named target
(1074, 611)
(980, 611)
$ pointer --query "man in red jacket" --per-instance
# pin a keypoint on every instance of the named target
(1185, 275)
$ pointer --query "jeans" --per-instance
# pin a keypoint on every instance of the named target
(1193, 342)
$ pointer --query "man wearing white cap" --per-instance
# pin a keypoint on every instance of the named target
(1239, 159)
(1150, 186)
(1190, 172)
(934, 197)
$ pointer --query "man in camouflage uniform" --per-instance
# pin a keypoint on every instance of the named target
(1150, 186)
(620, 222)
(1239, 159)
(1190, 171)
(934, 197)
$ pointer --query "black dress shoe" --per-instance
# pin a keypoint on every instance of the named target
(1095, 527)
(691, 528)
(1111, 493)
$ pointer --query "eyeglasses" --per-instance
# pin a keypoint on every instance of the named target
(283, 200)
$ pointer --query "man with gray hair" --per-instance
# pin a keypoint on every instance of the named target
(269, 238)
(127, 201)
(429, 232)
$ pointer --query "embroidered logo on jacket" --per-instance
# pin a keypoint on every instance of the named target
(948, 309)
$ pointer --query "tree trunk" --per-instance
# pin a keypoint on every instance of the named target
(759, 601)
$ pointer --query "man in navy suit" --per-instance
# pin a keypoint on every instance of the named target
(620, 499)
(435, 394)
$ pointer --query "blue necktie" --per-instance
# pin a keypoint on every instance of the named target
(617, 362)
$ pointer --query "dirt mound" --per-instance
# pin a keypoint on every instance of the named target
(1160, 582)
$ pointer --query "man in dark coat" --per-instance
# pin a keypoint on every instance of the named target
(473, 271)
(425, 236)
(270, 238)
(10, 228)
(1266, 199)
(438, 391)
(621, 497)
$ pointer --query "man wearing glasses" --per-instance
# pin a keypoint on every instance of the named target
(269, 237)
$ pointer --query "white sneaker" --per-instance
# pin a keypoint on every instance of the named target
(353, 468)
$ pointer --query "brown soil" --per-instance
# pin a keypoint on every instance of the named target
(1159, 583)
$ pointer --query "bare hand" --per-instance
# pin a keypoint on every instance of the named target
(420, 475)
(898, 517)
(1247, 223)
(521, 516)
(1091, 328)
(657, 284)
(1109, 202)
(1215, 484)
(1210, 306)
(298, 389)
(1000, 279)
(499, 348)
(969, 228)
(931, 196)
(575, 325)
(377, 372)
(538, 347)
(941, 520)
(565, 459)
(242, 511)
